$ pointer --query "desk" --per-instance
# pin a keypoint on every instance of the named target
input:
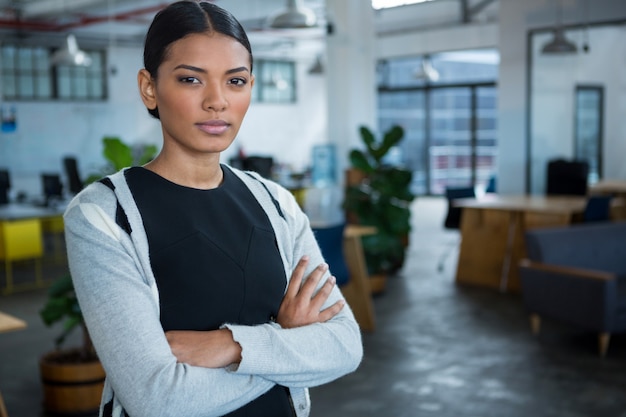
(492, 234)
(8, 323)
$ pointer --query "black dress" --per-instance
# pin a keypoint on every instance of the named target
(215, 259)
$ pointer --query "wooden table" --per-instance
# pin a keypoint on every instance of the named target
(7, 324)
(492, 234)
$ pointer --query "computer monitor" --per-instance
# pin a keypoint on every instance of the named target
(5, 186)
(52, 187)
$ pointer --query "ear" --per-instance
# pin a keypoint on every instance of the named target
(146, 89)
(252, 79)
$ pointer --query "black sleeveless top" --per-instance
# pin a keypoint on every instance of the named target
(215, 259)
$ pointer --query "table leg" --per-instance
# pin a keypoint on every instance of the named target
(357, 291)
(508, 257)
(3, 409)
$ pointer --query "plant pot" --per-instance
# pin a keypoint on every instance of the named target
(71, 388)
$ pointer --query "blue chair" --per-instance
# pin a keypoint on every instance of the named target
(453, 217)
(598, 209)
(330, 241)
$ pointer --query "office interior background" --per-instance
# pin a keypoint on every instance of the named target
(497, 107)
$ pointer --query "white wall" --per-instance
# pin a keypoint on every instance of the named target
(47, 131)
(516, 19)
(553, 100)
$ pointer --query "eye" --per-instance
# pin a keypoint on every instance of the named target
(189, 80)
(238, 81)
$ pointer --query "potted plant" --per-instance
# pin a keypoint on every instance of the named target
(379, 195)
(119, 154)
(72, 378)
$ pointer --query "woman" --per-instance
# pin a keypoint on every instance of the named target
(202, 286)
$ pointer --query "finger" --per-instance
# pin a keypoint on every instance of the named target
(313, 280)
(332, 311)
(322, 295)
(296, 278)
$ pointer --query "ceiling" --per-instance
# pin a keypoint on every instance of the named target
(97, 23)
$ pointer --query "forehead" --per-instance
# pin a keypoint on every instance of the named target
(208, 48)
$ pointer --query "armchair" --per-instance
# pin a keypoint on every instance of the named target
(577, 275)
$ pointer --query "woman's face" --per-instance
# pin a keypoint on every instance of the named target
(202, 91)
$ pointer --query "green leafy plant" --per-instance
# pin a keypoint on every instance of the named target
(120, 155)
(62, 306)
(382, 199)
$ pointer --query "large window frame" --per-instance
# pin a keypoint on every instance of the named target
(275, 81)
(27, 75)
(438, 156)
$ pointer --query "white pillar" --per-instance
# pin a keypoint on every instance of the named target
(350, 75)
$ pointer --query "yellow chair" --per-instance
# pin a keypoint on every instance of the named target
(20, 240)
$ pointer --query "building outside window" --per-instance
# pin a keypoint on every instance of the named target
(446, 104)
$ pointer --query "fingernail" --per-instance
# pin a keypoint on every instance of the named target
(305, 258)
(324, 266)
(332, 279)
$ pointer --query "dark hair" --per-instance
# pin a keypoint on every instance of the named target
(185, 18)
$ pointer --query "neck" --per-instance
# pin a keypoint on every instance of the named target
(203, 175)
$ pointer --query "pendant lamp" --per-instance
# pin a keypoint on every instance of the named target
(70, 54)
(426, 71)
(559, 43)
(295, 16)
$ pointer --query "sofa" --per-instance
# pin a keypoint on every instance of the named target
(577, 274)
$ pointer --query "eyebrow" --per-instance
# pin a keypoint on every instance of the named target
(203, 71)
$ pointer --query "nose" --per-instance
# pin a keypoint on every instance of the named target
(214, 98)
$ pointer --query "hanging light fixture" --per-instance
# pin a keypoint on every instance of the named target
(559, 43)
(426, 71)
(295, 16)
(70, 54)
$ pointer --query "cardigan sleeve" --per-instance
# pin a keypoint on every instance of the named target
(121, 312)
(309, 355)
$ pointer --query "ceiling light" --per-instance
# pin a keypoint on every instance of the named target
(70, 54)
(426, 71)
(295, 16)
(559, 44)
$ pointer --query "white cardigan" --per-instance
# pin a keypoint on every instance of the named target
(119, 299)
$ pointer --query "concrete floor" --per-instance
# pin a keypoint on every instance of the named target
(439, 350)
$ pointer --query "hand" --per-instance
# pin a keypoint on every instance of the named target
(299, 306)
(208, 349)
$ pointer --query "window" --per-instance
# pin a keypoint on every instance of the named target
(588, 129)
(449, 120)
(28, 75)
(275, 82)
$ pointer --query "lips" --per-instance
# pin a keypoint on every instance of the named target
(213, 127)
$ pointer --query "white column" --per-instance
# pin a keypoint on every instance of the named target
(350, 73)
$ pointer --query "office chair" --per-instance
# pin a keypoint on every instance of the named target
(73, 177)
(5, 186)
(260, 164)
(567, 177)
(52, 187)
(598, 209)
(453, 217)
(330, 241)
